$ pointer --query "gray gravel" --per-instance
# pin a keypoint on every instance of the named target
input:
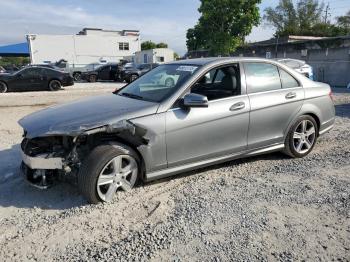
(262, 208)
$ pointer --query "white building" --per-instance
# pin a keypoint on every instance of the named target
(90, 46)
(158, 55)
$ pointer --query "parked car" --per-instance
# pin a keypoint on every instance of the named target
(130, 74)
(219, 109)
(105, 72)
(298, 65)
(34, 78)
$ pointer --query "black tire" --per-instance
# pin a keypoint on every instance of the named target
(92, 78)
(55, 85)
(93, 165)
(169, 82)
(77, 76)
(133, 77)
(3, 87)
(291, 143)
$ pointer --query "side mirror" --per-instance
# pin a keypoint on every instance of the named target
(195, 100)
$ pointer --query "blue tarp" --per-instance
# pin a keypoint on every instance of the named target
(21, 49)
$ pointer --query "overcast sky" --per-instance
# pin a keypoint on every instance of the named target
(158, 20)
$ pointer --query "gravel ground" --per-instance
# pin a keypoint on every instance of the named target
(262, 208)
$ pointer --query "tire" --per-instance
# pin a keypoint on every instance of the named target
(55, 85)
(133, 77)
(3, 87)
(77, 76)
(97, 180)
(92, 78)
(169, 82)
(301, 137)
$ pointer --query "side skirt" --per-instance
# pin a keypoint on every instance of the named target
(217, 160)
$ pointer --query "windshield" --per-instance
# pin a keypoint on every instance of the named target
(159, 83)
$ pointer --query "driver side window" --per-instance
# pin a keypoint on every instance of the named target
(219, 83)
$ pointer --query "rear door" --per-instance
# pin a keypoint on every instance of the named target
(104, 72)
(275, 98)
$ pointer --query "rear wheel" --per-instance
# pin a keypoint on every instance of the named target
(77, 76)
(169, 82)
(55, 85)
(107, 169)
(301, 137)
(133, 77)
(3, 87)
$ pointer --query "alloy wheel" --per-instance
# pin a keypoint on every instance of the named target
(304, 136)
(120, 172)
(55, 85)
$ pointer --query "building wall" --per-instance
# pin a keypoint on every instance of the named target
(330, 62)
(158, 55)
(81, 49)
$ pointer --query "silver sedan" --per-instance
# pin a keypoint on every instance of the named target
(217, 109)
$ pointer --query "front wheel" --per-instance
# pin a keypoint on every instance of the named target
(301, 137)
(55, 85)
(107, 169)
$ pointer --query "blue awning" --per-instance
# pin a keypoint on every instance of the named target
(21, 49)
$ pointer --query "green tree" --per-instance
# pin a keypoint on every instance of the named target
(162, 45)
(299, 19)
(148, 45)
(18, 61)
(223, 25)
(176, 56)
(344, 21)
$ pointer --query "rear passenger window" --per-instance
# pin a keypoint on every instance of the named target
(287, 80)
(262, 77)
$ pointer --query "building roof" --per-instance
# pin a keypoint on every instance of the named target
(21, 49)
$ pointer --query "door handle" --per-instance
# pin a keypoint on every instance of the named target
(237, 106)
(291, 95)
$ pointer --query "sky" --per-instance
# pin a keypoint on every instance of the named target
(158, 20)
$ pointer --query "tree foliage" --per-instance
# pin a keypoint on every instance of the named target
(148, 45)
(162, 45)
(151, 45)
(304, 18)
(17, 61)
(223, 25)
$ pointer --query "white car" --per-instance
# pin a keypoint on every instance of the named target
(298, 65)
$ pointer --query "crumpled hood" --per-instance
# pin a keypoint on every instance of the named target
(76, 117)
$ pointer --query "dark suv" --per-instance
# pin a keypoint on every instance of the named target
(105, 72)
(131, 74)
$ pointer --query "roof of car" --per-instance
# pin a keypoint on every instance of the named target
(208, 60)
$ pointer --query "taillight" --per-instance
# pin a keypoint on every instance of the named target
(331, 95)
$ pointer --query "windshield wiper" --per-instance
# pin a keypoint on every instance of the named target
(131, 95)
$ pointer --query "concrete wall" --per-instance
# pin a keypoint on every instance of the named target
(331, 65)
(81, 49)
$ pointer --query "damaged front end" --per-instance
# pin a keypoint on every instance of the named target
(59, 155)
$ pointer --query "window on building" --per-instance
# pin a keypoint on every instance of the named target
(262, 77)
(124, 46)
(160, 59)
(288, 81)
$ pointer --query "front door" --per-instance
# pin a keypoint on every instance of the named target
(197, 134)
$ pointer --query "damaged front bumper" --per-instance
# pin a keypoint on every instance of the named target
(42, 162)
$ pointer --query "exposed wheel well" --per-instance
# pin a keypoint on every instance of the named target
(105, 140)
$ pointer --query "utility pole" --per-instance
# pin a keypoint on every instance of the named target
(327, 13)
